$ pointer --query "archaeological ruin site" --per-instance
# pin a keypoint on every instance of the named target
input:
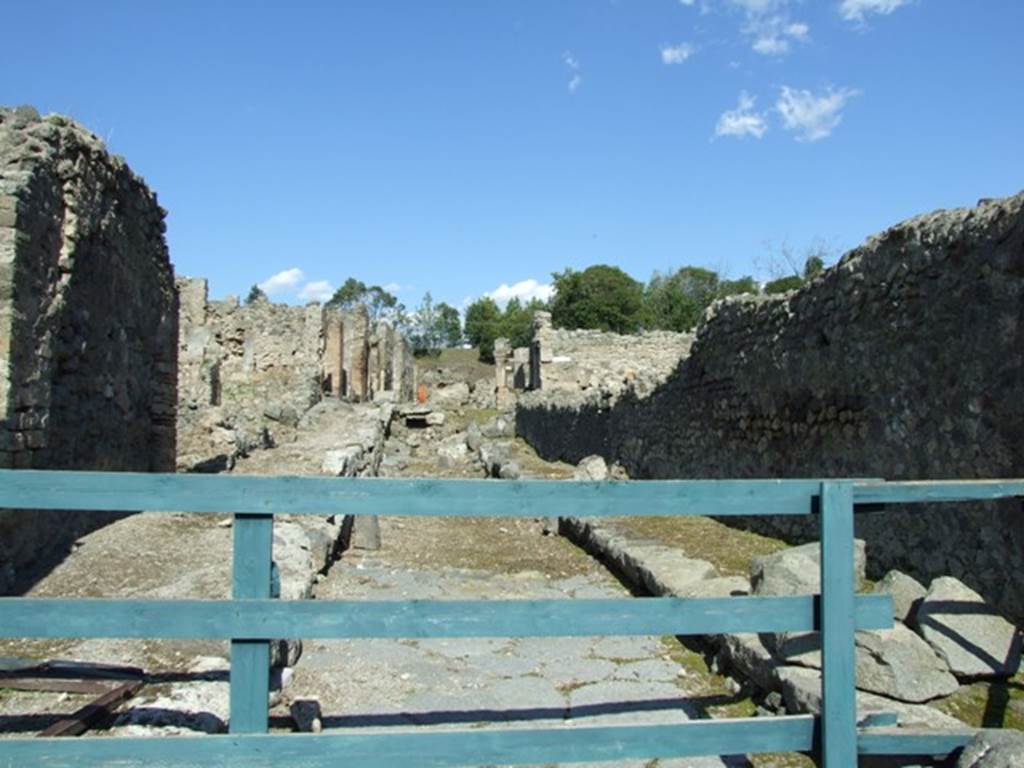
(902, 362)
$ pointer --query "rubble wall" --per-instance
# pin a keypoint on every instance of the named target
(88, 321)
(248, 372)
(904, 361)
(245, 369)
(584, 360)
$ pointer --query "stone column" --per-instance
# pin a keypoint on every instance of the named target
(502, 363)
(334, 346)
(356, 352)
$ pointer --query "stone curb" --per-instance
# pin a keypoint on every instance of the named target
(654, 568)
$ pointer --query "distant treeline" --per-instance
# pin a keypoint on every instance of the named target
(605, 298)
(600, 297)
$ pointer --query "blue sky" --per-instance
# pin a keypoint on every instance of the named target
(459, 146)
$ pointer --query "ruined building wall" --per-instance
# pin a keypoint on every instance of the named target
(244, 369)
(249, 371)
(906, 360)
(88, 320)
(587, 363)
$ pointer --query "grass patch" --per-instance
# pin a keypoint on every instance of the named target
(505, 546)
(989, 704)
(464, 363)
(461, 419)
(729, 549)
(715, 699)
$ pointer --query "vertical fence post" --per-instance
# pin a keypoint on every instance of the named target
(250, 659)
(838, 663)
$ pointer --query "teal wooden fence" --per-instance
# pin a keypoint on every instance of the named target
(252, 618)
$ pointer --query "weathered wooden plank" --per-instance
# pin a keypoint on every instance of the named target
(93, 713)
(226, 494)
(54, 685)
(917, 492)
(911, 741)
(259, 619)
(250, 657)
(839, 702)
(434, 749)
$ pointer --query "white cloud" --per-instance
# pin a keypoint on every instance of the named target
(524, 290)
(687, 2)
(742, 121)
(574, 67)
(759, 6)
(677, 54)
(773, 33)
(770, 45)
(812, 117)
(395, 287)
(318, 290)
(283, 282)
(856, 10)
(798, 30)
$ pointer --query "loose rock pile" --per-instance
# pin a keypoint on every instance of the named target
(943, 636)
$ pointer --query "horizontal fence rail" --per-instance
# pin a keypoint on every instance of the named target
(226, 494)
(252, 619)
(439, 749)
(320, 619)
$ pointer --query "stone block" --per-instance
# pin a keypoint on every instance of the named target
(972, 637)
(907, 594)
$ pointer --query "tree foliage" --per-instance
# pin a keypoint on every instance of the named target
(813, 266)
(486, 321)
(449, 325)
(380, 304)
(483, 326)
(600, 296)
(256, 294)
(677, 301)
(783, 284)
(432, 327)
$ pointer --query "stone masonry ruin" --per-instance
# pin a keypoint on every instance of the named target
(905, 360)
(88, 320)
(596, 362)
(104, 368)
(248, 372)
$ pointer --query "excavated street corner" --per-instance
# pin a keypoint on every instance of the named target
(502, 682)
(161, 555)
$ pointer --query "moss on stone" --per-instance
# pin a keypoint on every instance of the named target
(988, 704)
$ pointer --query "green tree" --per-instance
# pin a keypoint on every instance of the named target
(424, 333)
(380, 304)
(449, 325)
(601, 297)
(745, 284)
(352, 292)
(677, 302)
(483, 325)
(814, 266)
(783, 284)
(517, 321)
(256, 294)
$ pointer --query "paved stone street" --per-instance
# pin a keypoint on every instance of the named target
(472, 683)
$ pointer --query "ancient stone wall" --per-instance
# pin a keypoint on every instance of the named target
(587, 363)
(248, 372)
(88, 320)
(242, 367)
(905, 360)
